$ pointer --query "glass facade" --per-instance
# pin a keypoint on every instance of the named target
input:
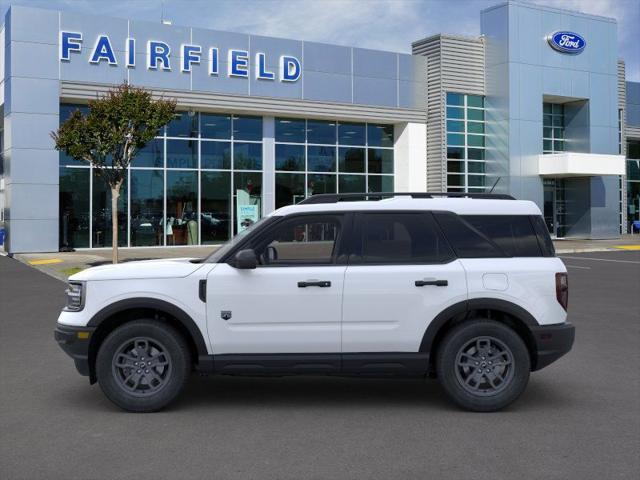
(552, 128)
(633, 182)
(185, 186)
(465, 130)
(323, 156)
(181, 189)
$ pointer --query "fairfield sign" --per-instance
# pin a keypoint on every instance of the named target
(159, 56)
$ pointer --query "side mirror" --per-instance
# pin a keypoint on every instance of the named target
(246, 259)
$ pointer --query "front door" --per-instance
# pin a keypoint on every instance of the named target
(291, 303)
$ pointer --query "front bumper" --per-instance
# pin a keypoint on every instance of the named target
(552, 342)
(75, 343)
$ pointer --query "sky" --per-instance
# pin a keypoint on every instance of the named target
(378, 24)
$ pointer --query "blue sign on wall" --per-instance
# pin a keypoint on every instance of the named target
(567, 42)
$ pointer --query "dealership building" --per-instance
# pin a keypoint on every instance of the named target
(536, 107)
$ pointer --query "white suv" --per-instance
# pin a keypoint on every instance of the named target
(463, 287)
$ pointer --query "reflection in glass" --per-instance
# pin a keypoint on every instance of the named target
(215, 206)
(215, 155)
(215, 126)
(351, 133)
(381, 183)
(74, 207)
(455, 98)
(251, 184)
(182, 153)
(290, 130)
(184, 124)
(247, 156)
(380, 161)
(290, 157)
(380, 135)
(320, 131)
(151, 155)
(321, 159)
(66, 109)
(351, 160)
(321, 184)
(182, 207)
(147, 188)
(289, 188)
(352, 183)
(247, 128)
(101, 215)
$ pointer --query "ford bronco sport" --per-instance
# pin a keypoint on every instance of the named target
(462, 287)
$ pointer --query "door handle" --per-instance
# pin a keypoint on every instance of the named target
(314, 283)
(437, 283)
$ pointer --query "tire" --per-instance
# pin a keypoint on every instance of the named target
(483, 365)
(136, 388)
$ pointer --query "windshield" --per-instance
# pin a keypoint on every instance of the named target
(225, 248)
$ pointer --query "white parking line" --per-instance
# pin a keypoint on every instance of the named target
(601, 259)
(575, 266)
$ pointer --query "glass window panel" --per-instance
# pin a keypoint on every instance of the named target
(476, 181)
(455, 98)
(247, 156)
(147, 194)
(475, 127)
(475, 140)
(182, 153)
(558, 121)
(321, 159)
(215, 155)
(247, 128)
(184, 124)
(475, 153)
(289, 188)
(152, 155)
(547, 145)
(546, 108)
(633, 149)
(455, 189)
(66, 109)
(215, 126)
(380, 135)
(67, 160)
(455, 167)
(558, 145)
(380, 161)
(250, 183)
(558, 133)
(454, 112)
(473, 114)
(352, 183)
(455, 152)
(514, 234)
(476, 167)
(101, 215)
(547, 132)
(319, 131)
(351, 133)
(475, 101)
(290, 130)
(455, 180)
(290, 157)
(74, 207)
(182, 208)
(547, 120)
(380, 183)
(557, 108)
(455, 126)
(320, 184)
(215, 206)
(351, 160)
(633, 169)
(455, 139)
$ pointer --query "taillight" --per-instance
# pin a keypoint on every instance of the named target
(562, 289)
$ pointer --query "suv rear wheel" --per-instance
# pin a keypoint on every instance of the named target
(143, 365)
(483, 365)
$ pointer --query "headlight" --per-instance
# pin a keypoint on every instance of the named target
(75, 297)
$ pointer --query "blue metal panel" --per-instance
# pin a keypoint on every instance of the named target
(273, 48)
(221, 83)
(31, 131)
(32, 165)
(374, 63)
(32, 95)
(375, 91)
(276, 88)
(169, 34)
(327, 87)
(33, 25)
(92, 27)
(224, 41)
(530, 97)
(322, 57)
(36, 60)
(79, 69)
(412, 68)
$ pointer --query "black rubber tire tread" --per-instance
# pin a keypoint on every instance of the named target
(177, 350)
(456, 339)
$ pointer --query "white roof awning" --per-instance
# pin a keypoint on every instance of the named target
(574, 164)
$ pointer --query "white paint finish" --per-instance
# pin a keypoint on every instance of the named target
(461, 206)
(531, 284)
(148, 269)
(573, 164)
(410, 157)
(383, 310)
(495, 281)
(270, 313)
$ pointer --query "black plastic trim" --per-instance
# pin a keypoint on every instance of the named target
(552, 342)
(76, 348)
(155, 304)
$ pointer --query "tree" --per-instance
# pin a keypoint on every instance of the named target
(117, 126)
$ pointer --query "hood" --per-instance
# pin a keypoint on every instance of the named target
(163, 268)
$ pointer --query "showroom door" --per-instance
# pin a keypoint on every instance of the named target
(291, 303)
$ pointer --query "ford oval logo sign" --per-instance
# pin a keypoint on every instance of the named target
(567, 42)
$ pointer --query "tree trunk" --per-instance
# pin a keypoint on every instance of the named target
(115, 194)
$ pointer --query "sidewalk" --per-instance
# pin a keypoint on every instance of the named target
(61, 265)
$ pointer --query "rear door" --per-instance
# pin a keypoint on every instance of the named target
(401, 274)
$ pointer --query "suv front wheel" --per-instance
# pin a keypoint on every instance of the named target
(483, 365)
(143, 365)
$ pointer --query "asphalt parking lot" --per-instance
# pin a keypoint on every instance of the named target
(579, 418)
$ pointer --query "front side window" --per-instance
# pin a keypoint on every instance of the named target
(399, 238)
(308, 240)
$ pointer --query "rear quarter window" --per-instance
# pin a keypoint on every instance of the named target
(514, 234)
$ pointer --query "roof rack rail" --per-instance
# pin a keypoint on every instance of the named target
(337, 197)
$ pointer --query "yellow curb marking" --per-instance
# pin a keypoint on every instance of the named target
(48, 261)
(628, 247)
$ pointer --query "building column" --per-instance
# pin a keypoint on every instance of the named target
(268, 165)
(410, 157)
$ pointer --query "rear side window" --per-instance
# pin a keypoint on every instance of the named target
(514, 234)
(466, 240)
(544, 239)
(399, 238)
